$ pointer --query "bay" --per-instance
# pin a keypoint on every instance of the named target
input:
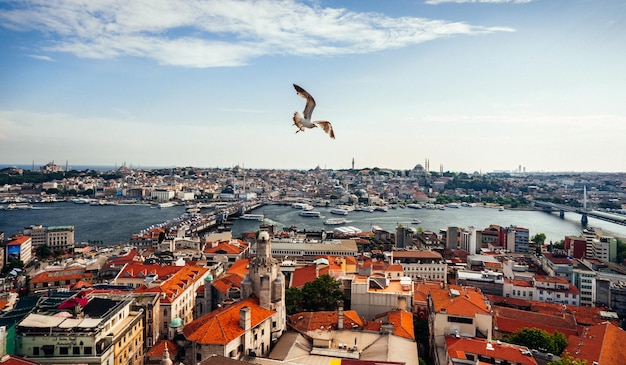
(550, 224)
(116, 224)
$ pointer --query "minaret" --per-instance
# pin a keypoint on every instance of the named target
(352, 163)
(265, 281)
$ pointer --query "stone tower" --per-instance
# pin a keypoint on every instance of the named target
(265, 281)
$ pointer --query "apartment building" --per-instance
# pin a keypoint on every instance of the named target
(93, 331)
(421, 264)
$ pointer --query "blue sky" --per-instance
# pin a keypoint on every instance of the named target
(482, 85)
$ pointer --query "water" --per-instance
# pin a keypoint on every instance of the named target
(111, 224)
(116, 224)
(551, 225)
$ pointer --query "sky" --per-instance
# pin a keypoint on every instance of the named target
(467, 85)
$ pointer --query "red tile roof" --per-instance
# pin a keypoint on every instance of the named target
(509, 320)
(176, 284)
(18, 240)
(159, 348)
(469, 303)
(16, 360)
(138, 270)
(60, 275)
(309, 321)
(459, 347)
(226, 282)
(402, 323)
(303, 275)
(603, 343)
(222, 326)
(239, 267)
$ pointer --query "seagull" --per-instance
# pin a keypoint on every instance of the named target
(304, 121)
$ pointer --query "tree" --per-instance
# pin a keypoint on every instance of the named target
(539, 239)
(321, 294)
(43, 251)
(567, 359)
(539, 339)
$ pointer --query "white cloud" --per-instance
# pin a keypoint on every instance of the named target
(195, 33)
(41, 57)
(436, 2)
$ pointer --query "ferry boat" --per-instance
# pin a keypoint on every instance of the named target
(167, 205)
(368, 209)
(253, 217)
(310, 213)
(414, 206)
(452, 205)
(335, 221)
(302, 206)
(339, 211)
(381, 208)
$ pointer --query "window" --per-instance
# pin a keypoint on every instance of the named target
(35, 351)
(64, 350)
(76, 350)
(88, 350)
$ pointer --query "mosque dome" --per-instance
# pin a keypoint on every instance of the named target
(209, 277)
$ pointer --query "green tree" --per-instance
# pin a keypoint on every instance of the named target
(567, 359)
(539, 239)
(293, 300)
(539, 339)
(321, 294)
(43, 251)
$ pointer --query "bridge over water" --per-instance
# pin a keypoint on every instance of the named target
(585, 213)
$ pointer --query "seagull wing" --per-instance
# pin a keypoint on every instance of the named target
(310, 102)
(327, 127)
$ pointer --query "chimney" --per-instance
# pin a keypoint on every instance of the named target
(340, 314)
(245, 318)
(402, 303)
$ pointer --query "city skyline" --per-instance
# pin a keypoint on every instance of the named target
(469, 85)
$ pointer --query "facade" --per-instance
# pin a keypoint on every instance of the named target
(60, 238)
(312, 250)
(20, 248)
(468, 240)
(421, 264)
(56, 279)
(456, 311)
(177, 297)
(101, 332)
(517, 239)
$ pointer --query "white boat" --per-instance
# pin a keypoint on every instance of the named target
(414, 206)
(302, 206)
(501, 209)
(415, 221)
(18, 206)
(81, 200)
(368, 209)
(452, 205)
(167, 205)
(339, 211)
(381, 208)
(335, 221)
(253, 217)
(310, 213)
